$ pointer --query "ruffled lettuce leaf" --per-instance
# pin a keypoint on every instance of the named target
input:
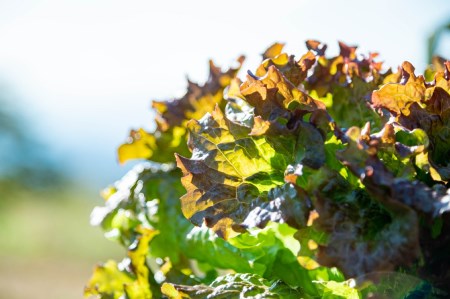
(273, 51)
(274, 250)
(203, 245)
(271, 252)
(234, 286)
(234, 178)
(284, 159)
(132, 278)
(233, 173)
(374, 228)
(294, 71)
(334, 289)
(148, 196)
(414, 103)
(237, 167)
(344, 83)
(274, 96)
(171, 117)
(143, 145)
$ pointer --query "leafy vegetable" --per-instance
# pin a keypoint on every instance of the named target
(229, 176)
(147, 196)
(315, 177)
(170, 135)
(416, 104)
(131, 277)
(234, 286)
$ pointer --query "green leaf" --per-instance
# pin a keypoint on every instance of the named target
(137, 253)
(232, 173)
(415, 137)
(131, 278)
(355, 98)
(143, 145)
(270, 252)
(333, 289)
(147, 196)
(227, 171)
(239, 111)
(107, 281)
(274, 251)
(284, 187)
(205, 247)
(234, 286)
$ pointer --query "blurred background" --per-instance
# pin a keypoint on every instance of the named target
(76, 76)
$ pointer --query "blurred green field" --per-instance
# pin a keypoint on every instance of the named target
(47, 247)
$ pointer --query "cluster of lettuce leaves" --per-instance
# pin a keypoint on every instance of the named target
(315, 177)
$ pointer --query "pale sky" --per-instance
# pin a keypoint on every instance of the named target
(87, 70)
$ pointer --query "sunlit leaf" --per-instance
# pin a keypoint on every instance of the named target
(235, 286)
(108, 280)
(131, 278)
(416, 104)
(170, 135)
(273, 50)
(309, 179)
(344, 290)
(147, 196)
(143, 145)
(273, 95)
(232, 173)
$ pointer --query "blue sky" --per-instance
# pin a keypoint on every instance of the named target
(85, 71)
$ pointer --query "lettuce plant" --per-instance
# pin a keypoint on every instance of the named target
(315, 177)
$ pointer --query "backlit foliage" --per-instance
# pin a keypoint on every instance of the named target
(311, 178)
